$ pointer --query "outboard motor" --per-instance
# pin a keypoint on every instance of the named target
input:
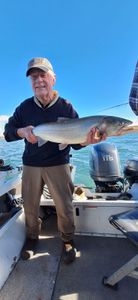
(131, 174)
(105, 168)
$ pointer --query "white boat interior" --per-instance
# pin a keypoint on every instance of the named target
(106, 222)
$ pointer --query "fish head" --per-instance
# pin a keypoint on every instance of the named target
(112, 125)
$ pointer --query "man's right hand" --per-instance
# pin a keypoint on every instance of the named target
(26, 133)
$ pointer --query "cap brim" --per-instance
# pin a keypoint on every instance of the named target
(33, 68)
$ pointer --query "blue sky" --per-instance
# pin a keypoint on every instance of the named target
(92, 44)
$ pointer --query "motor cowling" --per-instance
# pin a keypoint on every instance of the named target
(131, 171)
(105, 167)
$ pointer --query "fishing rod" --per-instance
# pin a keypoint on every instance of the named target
(108, 108)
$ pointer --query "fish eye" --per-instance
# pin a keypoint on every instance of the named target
(122, 123)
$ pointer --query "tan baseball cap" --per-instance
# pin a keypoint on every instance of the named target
(39, 63)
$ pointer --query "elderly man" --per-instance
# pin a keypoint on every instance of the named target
(46, 164)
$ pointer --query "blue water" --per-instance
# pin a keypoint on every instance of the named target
(127, 149)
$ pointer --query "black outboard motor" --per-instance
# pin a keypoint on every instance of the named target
(131, 171)
(131, 174)
(105, 168)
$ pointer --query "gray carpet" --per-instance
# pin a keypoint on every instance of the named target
(34, 279)
(97, 257)
(46, 277)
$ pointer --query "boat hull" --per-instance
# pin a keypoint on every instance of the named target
(12, 237)
(91, 215)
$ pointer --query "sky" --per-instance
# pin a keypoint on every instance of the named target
(92, 45)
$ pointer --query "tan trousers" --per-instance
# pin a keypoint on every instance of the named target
(61, 188)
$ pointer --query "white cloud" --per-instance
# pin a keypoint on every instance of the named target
(3, 120)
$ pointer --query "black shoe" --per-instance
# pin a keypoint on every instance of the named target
(69, 253)
(29, 248)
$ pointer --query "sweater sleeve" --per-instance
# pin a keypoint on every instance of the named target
(77, 146)
(14, 122)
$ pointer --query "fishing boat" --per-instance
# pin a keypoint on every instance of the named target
(101, 246)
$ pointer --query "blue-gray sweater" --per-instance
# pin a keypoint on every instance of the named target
(29, 113)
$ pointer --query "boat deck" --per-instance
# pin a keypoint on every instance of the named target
(46, 277)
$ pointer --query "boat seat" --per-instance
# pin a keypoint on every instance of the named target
(127, 223)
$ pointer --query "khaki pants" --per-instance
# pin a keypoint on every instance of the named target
(61, 188)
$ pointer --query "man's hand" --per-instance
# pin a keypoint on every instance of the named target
(27, 133)
(94, 137)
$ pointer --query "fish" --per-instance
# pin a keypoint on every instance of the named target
(75, 131)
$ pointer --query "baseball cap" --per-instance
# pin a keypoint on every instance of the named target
(41, 63)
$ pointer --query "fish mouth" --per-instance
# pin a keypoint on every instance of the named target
(125, 124)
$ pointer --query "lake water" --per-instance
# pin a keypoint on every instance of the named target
(127, 146)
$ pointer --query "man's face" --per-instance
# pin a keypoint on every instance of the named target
(42, 83)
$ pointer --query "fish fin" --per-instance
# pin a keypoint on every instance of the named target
(41, 142)
(62, 146)
(61, 119)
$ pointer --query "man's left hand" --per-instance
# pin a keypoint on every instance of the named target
(94, 137)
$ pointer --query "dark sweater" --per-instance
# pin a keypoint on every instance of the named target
(29, 113)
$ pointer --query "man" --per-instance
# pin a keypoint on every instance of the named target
(46, 164)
